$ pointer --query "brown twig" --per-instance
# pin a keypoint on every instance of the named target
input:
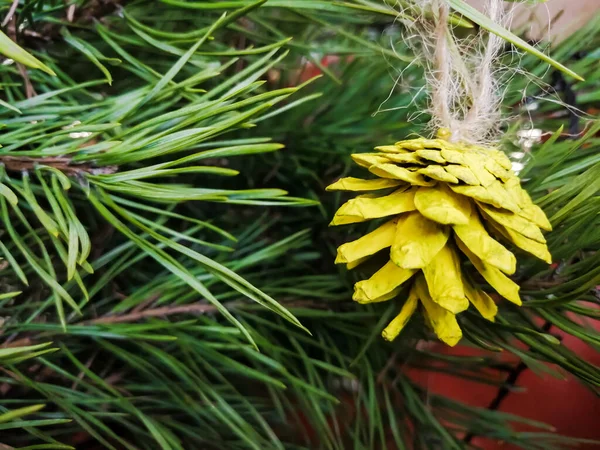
(12, 33)
(19, 343)
(88, 364)
(65, 165)
(29, 90)
(147, 303)
(196, 308)
(7, 386)
(388, 365)
(11, 12)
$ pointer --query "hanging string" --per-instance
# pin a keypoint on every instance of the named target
(462, 73)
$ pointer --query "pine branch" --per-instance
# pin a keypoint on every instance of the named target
(135, 370)
(65, 165)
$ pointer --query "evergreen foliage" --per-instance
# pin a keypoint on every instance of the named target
(151, 218)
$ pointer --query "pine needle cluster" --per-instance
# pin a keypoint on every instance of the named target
(164, 236)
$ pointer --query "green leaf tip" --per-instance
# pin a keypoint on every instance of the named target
(13, 51)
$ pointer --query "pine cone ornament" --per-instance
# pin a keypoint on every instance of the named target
(445, 201)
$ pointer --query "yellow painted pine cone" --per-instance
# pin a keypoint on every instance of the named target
(443, 199)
